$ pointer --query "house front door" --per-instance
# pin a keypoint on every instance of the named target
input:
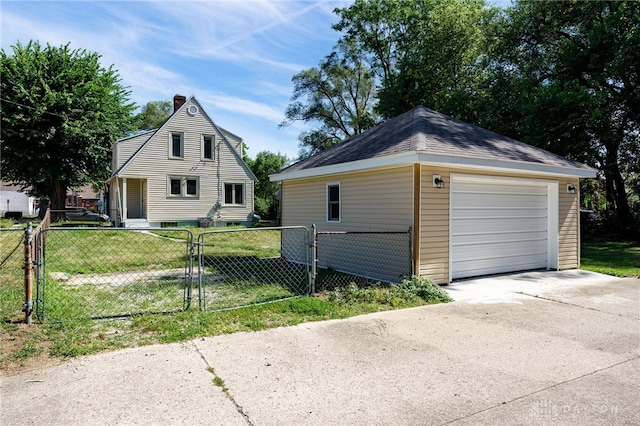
(136, 199)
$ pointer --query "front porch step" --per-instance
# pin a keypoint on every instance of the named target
(135, 223)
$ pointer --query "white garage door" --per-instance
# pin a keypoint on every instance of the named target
(498, 226)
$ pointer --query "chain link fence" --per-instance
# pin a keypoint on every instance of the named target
(241, 267)
(83, 273)
(112, 272)
(363, 258)
(12, 291)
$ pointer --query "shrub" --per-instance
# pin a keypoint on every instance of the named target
(409, 291)
(426, 289)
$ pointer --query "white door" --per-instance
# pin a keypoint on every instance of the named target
(499, 225)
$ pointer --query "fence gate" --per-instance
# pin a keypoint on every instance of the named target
(240, 267)
(112, 272)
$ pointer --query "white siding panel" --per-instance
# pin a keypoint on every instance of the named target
(498, 227)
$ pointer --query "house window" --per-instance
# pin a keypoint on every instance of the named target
(207, 147)
(181, 186)
(176, 146)
(192, 187)
(176, 186)
(234, 193)
(333, 202)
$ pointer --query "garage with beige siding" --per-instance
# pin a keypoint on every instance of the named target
(477, 202)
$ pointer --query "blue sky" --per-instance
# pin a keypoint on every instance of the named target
(236, 57)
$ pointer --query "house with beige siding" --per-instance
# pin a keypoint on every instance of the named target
(477, 203)
(189, 171)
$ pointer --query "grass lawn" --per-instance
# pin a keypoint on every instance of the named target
(88, 253)
(620, 259)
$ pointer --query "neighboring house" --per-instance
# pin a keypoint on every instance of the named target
(187, 172)
(478, 203)
(85, 196)
(14, 199)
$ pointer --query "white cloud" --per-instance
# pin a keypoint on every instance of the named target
(236, 57)
(247, 107)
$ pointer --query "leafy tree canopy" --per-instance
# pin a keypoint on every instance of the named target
(61, 112)
(153, 115)
(338, 95)
(265, 164)
(424, 52)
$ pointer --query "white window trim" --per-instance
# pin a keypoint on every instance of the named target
(244, 194)
(213, 148)
(330, 184)
(170, 148)
(183, 186)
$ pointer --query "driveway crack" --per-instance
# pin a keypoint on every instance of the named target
(218, 381)
(550, 299)
(573, 379)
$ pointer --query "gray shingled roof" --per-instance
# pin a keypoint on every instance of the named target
(425, 131)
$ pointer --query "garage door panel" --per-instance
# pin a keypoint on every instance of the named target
(501, 250)
(499, 213)
(472, 200)
(498, 226)
(500, 187)
(481, 226)
(484, 267)
(533, 237)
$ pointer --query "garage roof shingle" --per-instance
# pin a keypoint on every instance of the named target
(425, 131)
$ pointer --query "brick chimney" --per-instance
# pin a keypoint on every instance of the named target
(178, 101)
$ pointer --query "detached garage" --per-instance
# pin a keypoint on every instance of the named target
(477, 203)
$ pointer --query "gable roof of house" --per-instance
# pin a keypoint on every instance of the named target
(148, 136)
(424, 135)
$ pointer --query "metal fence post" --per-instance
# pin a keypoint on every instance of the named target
(189, 278)
(314, 258)
(28, 273)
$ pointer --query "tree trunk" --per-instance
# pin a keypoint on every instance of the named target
(58, 198)
(623, 212)
(616, 194)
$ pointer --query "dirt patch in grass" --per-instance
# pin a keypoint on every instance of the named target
(23, 350)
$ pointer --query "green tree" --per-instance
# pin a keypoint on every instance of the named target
(61, 112)
(565, 78)
(153, 115)
(424, 52)
(339, 95)
(265, 164)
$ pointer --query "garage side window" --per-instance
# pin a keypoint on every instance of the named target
(333, 202)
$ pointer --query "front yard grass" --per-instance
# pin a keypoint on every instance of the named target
(620, 259)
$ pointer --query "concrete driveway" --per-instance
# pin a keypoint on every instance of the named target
(540, 348)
